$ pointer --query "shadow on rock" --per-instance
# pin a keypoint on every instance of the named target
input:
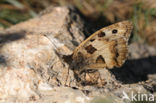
(135, 71)
(7, 38)
(2, 60)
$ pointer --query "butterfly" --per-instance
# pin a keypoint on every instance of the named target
(106, 48)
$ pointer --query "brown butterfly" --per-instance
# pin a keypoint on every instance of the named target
(106, 48)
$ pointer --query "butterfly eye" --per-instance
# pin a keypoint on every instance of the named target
(114, 31)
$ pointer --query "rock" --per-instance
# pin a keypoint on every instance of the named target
(33, 68)
(63, 95)
(30, 54)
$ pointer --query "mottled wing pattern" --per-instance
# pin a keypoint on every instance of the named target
(106, 48)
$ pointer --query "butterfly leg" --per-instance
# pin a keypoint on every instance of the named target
(87, 77)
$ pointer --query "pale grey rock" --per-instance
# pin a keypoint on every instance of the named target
(30, 55)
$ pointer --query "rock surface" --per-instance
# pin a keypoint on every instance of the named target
(33, 71)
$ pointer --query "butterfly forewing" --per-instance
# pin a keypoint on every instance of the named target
(106, 48)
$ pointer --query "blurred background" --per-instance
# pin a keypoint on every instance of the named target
(100, 12)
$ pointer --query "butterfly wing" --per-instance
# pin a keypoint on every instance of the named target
(106, 48)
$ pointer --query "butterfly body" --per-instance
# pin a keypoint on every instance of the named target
(106, 48)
